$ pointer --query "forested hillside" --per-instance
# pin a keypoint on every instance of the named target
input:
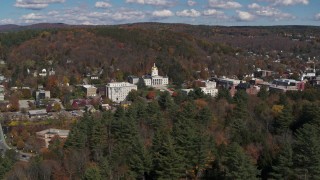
(164, 136)
(132, 49)
(189, 137)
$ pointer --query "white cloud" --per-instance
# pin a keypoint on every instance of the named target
(317, 17)
(287, 2)
(212, 12)
(191, 3)
(271, 12)
(151, 2)
(119, 15)
(245, 16)
(33, 16)
(102, 4)
(188, 13)
(127, 15)
(224, 4)
(162, 13)
(254, 6)
(7, 21)
(35, 4)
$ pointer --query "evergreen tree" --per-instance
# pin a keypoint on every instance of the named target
(120, 113)
(283, 100)
(204, 116)
(165, 100)
(166, 161)
(306, 152)
(92, 173)
(105, 169)
(239, 124)
(140, 160)
(155, 118)
(284, 120)
(180, 97)
(224, 94)
(78, 136)
(283, 167)
(6, 162)
(263, 93)
(241, 96)
(237, 164)
(97, 139)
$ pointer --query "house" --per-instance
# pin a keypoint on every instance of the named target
(105, 107)
(26, 104)
(47, 134)
(79, 103)
(43, 73)
(37, 113)
(42, 94)
(52, 72)
(186, 91)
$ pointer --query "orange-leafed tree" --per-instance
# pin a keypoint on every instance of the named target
(151, 95)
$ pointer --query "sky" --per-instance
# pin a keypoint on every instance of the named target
(204, 12)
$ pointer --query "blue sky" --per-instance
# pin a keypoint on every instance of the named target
(209, 12)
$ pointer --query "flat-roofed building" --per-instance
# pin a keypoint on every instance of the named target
(284, 85)
(210, 88)
(37, 113)
(133, 79)
(90, 90)
(118, 91)
(48, 134)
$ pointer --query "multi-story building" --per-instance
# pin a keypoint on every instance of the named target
(118, 91)
(228, 83)
(133, 79)
(154, 79)
(210, 88)
(90, 90)
(284, 85)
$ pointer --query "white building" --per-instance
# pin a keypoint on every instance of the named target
(43, 73)
(118, 91)
(210, 88)
(154, 79)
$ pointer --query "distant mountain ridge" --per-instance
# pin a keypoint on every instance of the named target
(13, 27)
(147, 25)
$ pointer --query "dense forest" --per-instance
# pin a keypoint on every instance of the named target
(269, 136)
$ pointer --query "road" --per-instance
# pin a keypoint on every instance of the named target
(3, 145)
